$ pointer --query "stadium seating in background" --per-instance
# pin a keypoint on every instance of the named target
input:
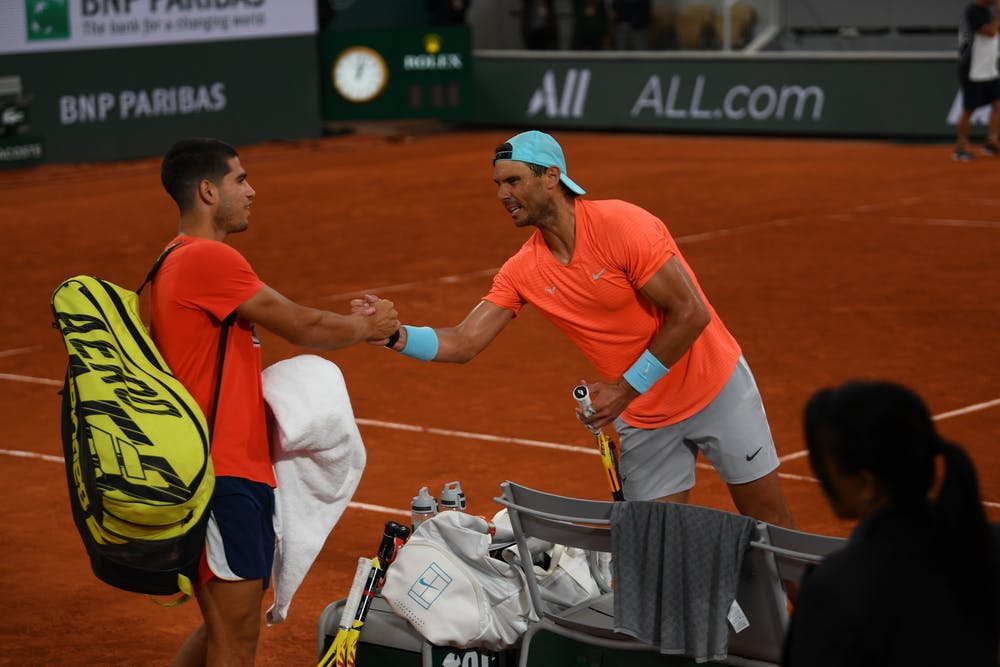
(663, 31)
(695, 25)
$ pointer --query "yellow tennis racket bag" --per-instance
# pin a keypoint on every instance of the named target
(136, 444)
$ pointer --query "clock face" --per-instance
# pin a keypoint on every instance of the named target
(359, 74)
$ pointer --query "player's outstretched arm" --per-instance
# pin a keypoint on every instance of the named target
(457, 344)
(318, 329)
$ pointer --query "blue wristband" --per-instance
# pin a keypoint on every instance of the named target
(421, 343)
(645, 372)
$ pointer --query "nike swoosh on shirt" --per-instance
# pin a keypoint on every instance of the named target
(597, 275)
(750, 457)
(551, 290)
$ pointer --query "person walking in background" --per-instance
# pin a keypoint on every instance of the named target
(539, 25)
(633, 19)
(198, 286)
(590, 25)
(610, 276)
(978, 49)
(916, 583)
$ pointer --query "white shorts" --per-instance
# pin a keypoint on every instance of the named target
(731, 431)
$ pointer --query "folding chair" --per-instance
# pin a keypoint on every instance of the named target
(573, 522)
(775, 555)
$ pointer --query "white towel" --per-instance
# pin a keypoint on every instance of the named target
(318, 459)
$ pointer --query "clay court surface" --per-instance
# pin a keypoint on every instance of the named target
(828, 260)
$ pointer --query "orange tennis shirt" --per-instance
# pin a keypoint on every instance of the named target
(199, 285)
(595, 301)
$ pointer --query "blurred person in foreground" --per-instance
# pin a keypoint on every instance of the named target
(978, 49)
(198, 286)
(609, 275)
(917, 582)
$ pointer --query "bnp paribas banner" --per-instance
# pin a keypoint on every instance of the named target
(85, 80)
(887, 95)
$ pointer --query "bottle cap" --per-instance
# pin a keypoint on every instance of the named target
(452, 496)
(424, 501)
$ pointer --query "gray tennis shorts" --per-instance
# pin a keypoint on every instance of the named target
(731, 431)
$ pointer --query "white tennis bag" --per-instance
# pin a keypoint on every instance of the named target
(446, 584)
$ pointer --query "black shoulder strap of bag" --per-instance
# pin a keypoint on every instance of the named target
(223, 333)
(223, 340)
(157, 264)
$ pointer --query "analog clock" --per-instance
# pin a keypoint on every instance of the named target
(359, 74)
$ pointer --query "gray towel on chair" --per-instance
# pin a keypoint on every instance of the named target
(676, 571)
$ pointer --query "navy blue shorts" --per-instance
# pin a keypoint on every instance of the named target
(240, 540)
(979, 93)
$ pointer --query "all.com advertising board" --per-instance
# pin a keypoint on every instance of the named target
(89, 80)
(837, 96)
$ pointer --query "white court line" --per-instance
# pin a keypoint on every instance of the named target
(930, 222)
(31, 455)
(866, 208)
(967, 409)
(477, 436)
(945, 222)
(381, 509)
(32, 380)
(19, 350)
(719, 233)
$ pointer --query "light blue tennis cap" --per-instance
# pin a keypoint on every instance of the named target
(537, 148)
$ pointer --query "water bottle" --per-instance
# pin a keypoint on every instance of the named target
(452, 497)
(423, 507)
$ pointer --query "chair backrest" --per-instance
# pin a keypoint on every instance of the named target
(572, 522)
(763, 600)
(794, 551)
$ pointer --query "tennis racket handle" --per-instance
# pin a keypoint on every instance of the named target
(582, 396)
(357, 590)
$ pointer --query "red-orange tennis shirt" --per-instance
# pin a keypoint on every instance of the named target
(595, 301)
(199, 285)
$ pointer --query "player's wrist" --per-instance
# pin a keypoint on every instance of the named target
(419, 342)
(645, 372)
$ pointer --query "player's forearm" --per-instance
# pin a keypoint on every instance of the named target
(325, 330)
(676, 338)
(419, 342)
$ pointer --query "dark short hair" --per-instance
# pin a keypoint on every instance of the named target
(191, 160)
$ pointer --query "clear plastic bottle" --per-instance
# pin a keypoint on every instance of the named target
(452, 497)
(423, 507)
